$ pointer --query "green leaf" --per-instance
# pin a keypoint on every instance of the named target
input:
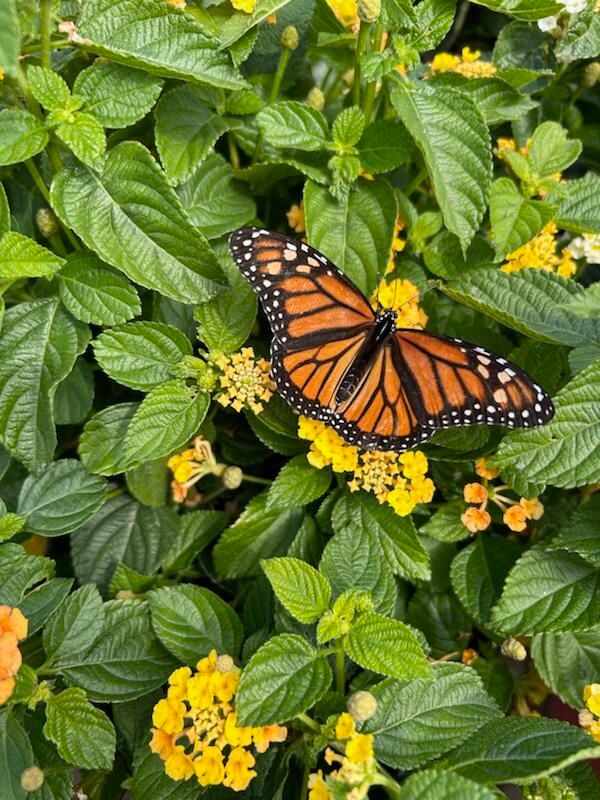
(298, 484)
(43, 601)
(126, 661)
(122, 531)
(4, 215)
(191, 621)
(515, 219)
(355, 233)
(443, 255)
(587, 304)
(21, 136)
(445, 524)
(550, 151)
(94, 292)
(578, 209)
(21, 257)
(75, 625)
(102, 440)
(520, 749)
(434, 784)
(548, 591)
(19, 571)
(10, 524)
(240, 24)
(38, 347)
(567, 662)
(141, 355)
(300, 589)
(151, 782)
(256, 534)
(348, 127)
(48, 88)
(419, 720)
(284, 678)
(386, 646)
(524, 9)
(582, 37)
(478, 573)
(61, 499)
(292, 124)
(83, 735)
(16, 755)
(196, 531)
(496, 99)
(565, 452)
(10, 39)
(167, 418)
(150, 239)
(276, 427)
(450, 131)
(384, 145)
(84, 135)
(214, 200)
(116, 96)
(75, 395)
(440, 618)
(581, 532)
(434, 20)
(530, 301)
(129, 580)
(158, 38)
(186, 131)
(148, 483)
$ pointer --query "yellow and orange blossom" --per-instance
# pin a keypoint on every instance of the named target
(13, 628)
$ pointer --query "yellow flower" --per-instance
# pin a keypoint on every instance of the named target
(345, 727)
(245, 381)
(401, 501)
(161, 743)
(467, 64)
(168, 715)
(238, 772)
(295, 217)
(208, 665)
(402, 296)
(482, 469)
(566, 266)
(444, 62)
(176, 3)
(345, 10)
(317, 788)
(327, 448)
(360, 748)
(244, 5)
(377, 472)
(591, 695)
(422, 490)
(515, 518)
(265, 736)
(234, 735)
(199, 691)
(533, 508)
(475, 493)
(178, 765)
(2, 74)
(209, 767)
(414, 464)
(594, 731)
(189, 466)
(224, 685)
(541, 253)
(476, 519)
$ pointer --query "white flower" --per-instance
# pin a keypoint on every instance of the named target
(575, 6)
(586, 246)
(547, 23)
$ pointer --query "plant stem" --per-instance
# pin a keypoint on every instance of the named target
(416, 182)
(54, 44)
(340, 674)
(114, 493)
(371, 87)
(256, 479)
(45, 25)
(234, 155)
(310, 723)
(275, 87)
(304, 785)
(361, 49)
(37, 179)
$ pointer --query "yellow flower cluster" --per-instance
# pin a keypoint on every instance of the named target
(467, 64)
(357, 767)
(245, 381)
(13, 628)
(541, 253)
(397, 479)
(295, 217)
(403, 297)
(195, 729)
(346, 11)
(590, 718)
(244, 5)
(515, 513)
(398, 245)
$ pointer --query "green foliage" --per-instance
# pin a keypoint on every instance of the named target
(160, 513)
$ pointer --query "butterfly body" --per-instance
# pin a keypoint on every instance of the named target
(336, 360)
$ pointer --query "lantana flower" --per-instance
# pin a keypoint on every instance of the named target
(590, 717)
(195, 727)
(468, 64)
(542, 252)
(13, 629)
(245, 381)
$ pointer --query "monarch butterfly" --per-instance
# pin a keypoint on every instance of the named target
(335, 359)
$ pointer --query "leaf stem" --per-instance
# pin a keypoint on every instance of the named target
(256, 479)
(310, 723)
(45, 25)
(340, 673)
(234, 155)
(37, 178)
(275, 87)
(416, 182)
(54, 44)
(361, 48)
(371, 87)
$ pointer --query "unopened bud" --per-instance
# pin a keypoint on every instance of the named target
(586, 718)
(369, 10)
(225, 664)
(232, 477)
(316, 98)
(125, 594)
(46, 221)
(591, 74)
(512, 648)
(290, 38)
(362, 706)
(469, 656)
(31, 779)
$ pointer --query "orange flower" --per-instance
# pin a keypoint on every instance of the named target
(533, 508)
(13, 621)
(7, 687)
(516, 518)
(475, 519)
(161, 743)
(475, 493)
(482, 469)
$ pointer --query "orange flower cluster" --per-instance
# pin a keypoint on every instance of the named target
(13, 628)
(515, 513)
(196, 731)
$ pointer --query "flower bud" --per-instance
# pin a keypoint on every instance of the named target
(512, 648)
(585, 718)
(469, 656)
(31, 779)
(369, 10)
(46, 221)
(232, 477)
(224, 664)
(362, 706)
(290, 38)
(316, 98)
(125, 594)
(591, 74)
